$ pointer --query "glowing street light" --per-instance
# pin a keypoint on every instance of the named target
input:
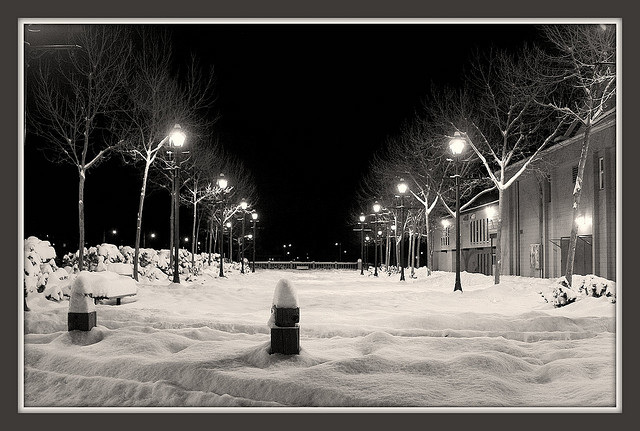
(254, 219)
(222, 183)
(362, 219)
(376, 210)
(402, 189)
(456, 144)
(243, 206)
(176, 141)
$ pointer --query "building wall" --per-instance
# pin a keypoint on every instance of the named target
(538, 209)
(538, 214)
(476, 228)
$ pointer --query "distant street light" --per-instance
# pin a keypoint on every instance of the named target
(339, 245)
(376, 210)
(222, 183)
(402, 189)
(254, 219)
(362, 219)
(230, 226)
(243, 206)
(457, 145)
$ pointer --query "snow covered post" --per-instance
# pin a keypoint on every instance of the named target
(285, 315)
(82, 310)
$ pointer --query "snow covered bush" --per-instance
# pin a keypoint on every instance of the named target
(563, 294)
(110, 253)
(592, 285)
(583, 285)
(39, 263)
(152, 264)
(127, 253)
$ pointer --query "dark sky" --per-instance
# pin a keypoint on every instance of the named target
(303, 105)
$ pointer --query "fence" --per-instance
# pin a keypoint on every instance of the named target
(306, 265)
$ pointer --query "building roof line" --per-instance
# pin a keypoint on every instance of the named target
(601, 124)
(466, 210)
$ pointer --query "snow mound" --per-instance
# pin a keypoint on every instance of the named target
(285, 295)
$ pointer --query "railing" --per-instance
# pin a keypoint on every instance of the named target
(305, 265)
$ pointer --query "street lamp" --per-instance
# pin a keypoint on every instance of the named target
(144, 239)
(402, 189)
(362, 219)
(339, 245)
(176, 141)
(457, 145)
(254, 219)
(243, 206)
(230, 226)
(222, 183)
(376, 210)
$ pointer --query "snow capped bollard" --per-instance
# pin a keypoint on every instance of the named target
(82, 310)
(285, 315)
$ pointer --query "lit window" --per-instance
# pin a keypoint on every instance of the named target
(601, 172)
(444, 239)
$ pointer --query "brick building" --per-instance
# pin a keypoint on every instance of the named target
(538, 211)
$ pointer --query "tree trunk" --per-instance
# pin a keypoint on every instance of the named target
(429, 257)
(193, 235)
(577, 194)
(412, 251)
(81, 219)
(418, 251)
(388, 251)
(136, 254)
(210, 235)
(498, 271)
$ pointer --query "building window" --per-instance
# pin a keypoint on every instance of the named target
(574, 174)
(479, 231)
(601, 172)
(444, 239)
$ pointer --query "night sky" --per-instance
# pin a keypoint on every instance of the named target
(303, 105)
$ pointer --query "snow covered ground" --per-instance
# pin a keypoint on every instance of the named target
(365, 343)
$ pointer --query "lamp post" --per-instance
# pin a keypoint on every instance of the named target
(395, 243)
(176, 141)
(362, 219)
(230, 226)
(254, 219)
(243, 206)
(457, 145)
(402, 189)
(339, 245)
(376, 210)
(222, 183)
(367, 239)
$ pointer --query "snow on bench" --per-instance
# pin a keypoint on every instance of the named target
(100, 285)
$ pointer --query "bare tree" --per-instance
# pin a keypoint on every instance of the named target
(583, 65)
(158, 100)
(200, 185)
(222, 205)
(76, 99)
(503, 124)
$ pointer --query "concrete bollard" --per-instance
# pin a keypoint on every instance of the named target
(285, 315)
